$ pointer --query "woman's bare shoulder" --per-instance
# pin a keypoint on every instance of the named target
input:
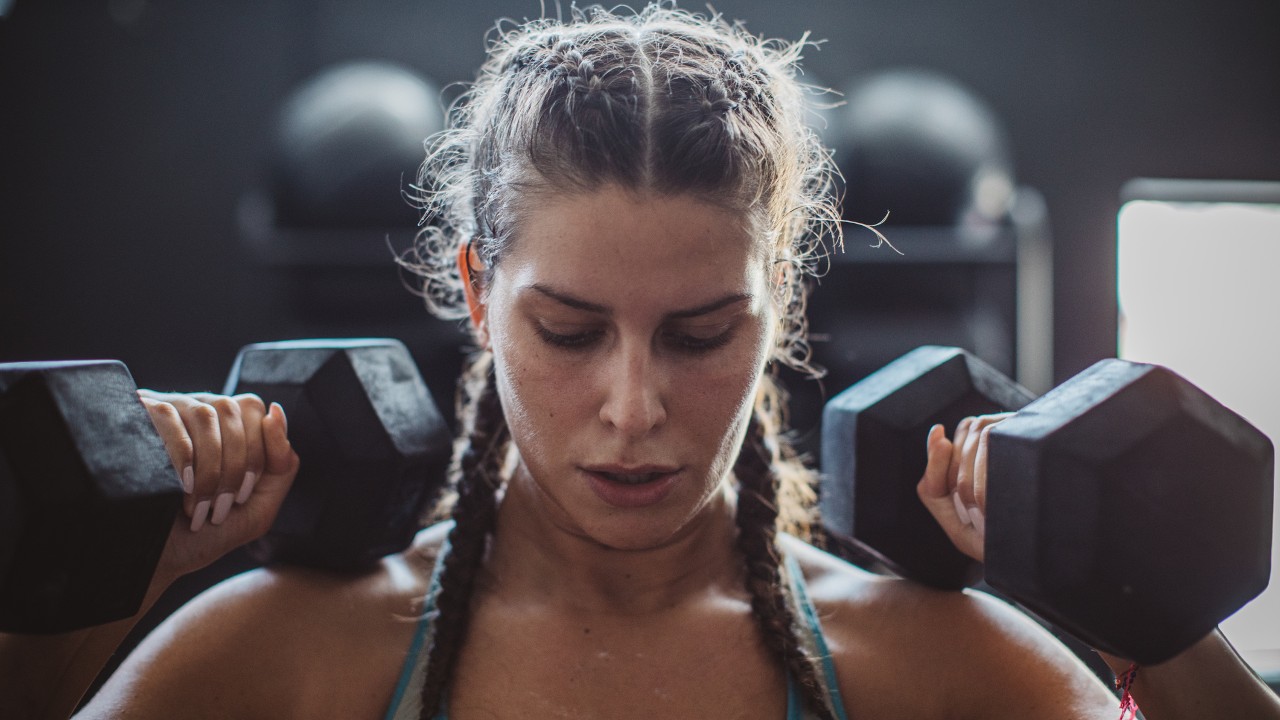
(272, 640)
(887, 635)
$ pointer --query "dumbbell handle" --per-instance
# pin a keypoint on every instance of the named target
(873, 454)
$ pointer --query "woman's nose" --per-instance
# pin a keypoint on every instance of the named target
(633, 396)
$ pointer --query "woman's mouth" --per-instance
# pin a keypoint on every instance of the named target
(631, 487)
(631, 479)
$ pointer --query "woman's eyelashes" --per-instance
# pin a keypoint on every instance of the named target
(698, 343)
(569, 341)
(679, 340)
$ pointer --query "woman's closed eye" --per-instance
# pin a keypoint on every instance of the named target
(569, 339)
(692, 341)
(700, 340)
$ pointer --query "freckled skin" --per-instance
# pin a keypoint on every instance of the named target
(632, 396)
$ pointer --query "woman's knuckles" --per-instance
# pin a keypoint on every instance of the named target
(203, 416)
(250, 404)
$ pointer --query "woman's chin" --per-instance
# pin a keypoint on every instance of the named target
(657, 528)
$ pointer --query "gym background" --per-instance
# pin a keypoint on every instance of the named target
(147, 211)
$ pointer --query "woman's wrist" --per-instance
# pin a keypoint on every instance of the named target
(1207, 680)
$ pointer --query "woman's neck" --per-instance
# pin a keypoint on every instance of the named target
(534, 556)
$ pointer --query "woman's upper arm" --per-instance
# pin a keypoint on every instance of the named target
(212, 658)
(1018, 669)
(903, 650)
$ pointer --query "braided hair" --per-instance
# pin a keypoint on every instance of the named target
(475, 475)
(663, 101)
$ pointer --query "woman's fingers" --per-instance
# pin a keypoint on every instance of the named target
(980, 469)
(232, 436)
(252, 412)
(281, 462)
(195, 446)
(938, 447)
(954, 486)
(168, 423)
(938, 494)
(202, 423)
(957, 453)
(217, 445)
(192, 546)
(237, 465)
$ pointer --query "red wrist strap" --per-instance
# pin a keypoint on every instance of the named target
(1124, 682)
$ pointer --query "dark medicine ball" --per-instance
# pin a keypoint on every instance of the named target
(923, 148)
(348, 143)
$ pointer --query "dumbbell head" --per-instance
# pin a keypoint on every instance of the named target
(873, 454)
(1129, 508)
(88, 495)
(373, 446)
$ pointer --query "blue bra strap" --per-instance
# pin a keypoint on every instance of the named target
(407, 675)
(809, 616)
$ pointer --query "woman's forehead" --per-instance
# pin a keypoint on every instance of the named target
(644, 235)
(620, 248)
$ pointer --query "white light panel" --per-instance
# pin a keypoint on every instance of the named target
(1199, 292)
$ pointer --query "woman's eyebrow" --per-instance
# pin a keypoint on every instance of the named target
(709, 307)
(580, 304)
(571, 301)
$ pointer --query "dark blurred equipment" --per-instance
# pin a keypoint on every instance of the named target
(95, 492)
(921, 147)
(347, 144)
(1126, 506)
(971, 257)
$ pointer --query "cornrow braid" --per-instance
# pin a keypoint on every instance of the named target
(757, 535)
(478, 461)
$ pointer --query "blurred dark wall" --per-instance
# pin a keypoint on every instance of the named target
(130, 130)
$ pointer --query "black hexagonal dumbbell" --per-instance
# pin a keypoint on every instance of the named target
(87, 494)
(374, 448)
(1130, 508)
(90, 493)
(873, 454)
(1126, 506)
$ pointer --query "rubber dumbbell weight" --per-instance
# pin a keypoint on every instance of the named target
(380, 458)
(87, 492)
(873, 454)
(1125, 506)
(1131, 509)
(373, 446)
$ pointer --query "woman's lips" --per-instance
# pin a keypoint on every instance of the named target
(631, 487)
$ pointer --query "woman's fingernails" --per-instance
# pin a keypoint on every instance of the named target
(221, 507)
(961, 510)
(246, 488)
(283, 418)
(198, 517)
(188, 479)
(979, 520)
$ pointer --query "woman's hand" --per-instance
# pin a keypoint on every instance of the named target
(236, 464)
(954, 486)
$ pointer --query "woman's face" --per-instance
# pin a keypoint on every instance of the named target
(629, 333)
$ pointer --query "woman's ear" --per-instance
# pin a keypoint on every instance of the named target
(469, 266)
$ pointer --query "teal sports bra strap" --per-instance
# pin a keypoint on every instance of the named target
(811, 633)
(406, 703)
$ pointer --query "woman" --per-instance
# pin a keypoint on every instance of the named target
(624, 208)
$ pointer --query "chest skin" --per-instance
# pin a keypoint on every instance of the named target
(704, 658)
